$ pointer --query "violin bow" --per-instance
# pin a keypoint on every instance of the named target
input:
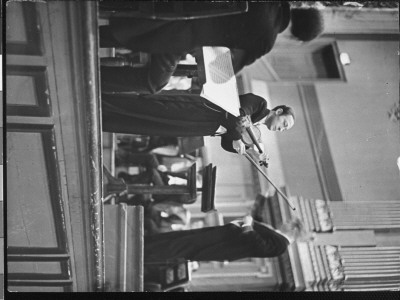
(269, 180)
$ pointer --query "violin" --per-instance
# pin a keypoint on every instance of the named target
(252, 136)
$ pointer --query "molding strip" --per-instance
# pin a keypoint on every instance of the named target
(319, 143)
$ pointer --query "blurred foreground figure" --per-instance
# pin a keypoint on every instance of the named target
(248, 35)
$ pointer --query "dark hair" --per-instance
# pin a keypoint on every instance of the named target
(287, 110)
(307, 23)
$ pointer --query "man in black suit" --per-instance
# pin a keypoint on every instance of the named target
(239, 239)
(190, 115)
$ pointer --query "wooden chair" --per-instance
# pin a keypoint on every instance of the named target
(119, 187)
(189, 189)
(207, 190)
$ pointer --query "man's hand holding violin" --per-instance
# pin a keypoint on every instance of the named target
(245, 122)
(239, 146)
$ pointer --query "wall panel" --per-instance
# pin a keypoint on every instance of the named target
(37, 215)
(23, 29)
(27, 91)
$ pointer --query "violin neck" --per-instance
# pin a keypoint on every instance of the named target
(254, 139)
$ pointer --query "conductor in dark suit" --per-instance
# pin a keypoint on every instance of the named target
(239, 239)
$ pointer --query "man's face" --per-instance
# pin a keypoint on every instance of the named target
(279, 122)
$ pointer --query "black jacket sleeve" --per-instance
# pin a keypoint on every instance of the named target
(234, 132)
(254, 106)
(251, 105)
(226, 143)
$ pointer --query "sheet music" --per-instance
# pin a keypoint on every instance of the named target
(221, 86)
